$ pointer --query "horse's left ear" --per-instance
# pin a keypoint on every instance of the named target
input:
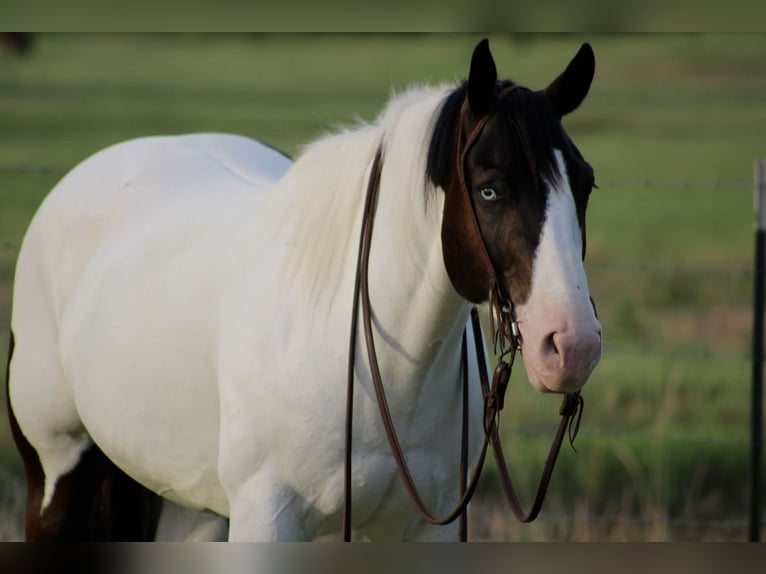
(568, 91)
(482, 79)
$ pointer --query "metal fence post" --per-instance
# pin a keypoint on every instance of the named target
(756, 406)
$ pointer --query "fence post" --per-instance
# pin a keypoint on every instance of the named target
(756, 403)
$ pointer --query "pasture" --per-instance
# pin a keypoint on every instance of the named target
(671, 126)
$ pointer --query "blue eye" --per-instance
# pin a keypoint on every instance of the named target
(488, 194)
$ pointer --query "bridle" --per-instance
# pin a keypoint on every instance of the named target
(506, 342)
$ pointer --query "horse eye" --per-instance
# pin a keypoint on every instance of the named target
(488, 194)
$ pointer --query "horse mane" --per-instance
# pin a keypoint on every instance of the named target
(327, 183)
(323, 197)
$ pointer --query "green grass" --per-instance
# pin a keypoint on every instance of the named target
(665, 427)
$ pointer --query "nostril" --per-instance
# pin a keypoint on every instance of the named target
(550, 344)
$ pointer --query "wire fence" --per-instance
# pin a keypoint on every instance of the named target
(628, 269)
(645, 520)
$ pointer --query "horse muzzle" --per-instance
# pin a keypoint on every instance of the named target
(560, 356)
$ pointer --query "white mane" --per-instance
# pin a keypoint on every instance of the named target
(327, 184)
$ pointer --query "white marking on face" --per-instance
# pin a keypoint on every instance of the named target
(562, 338)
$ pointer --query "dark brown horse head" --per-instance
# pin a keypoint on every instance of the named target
(516, 193)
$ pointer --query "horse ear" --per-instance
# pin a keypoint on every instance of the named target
(482, 79)
(568, 91)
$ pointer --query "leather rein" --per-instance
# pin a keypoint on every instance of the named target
(506, 341)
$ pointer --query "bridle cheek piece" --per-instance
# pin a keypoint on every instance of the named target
(506, 342)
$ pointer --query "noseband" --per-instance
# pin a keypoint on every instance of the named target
(506, 341)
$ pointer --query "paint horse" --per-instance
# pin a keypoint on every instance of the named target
(182, 307)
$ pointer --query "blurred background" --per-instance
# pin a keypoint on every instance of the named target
(672, 126)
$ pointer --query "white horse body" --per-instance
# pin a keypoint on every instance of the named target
(188, 300)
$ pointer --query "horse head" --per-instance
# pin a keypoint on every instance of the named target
(516, 192)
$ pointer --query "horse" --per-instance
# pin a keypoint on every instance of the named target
(182, 305)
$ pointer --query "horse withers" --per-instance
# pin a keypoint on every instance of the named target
(182, 306)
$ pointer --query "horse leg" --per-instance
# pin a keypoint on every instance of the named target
(180, 524)
(125, 510)
(32, 467)
(95, 501)
(413, 530)
(74, 492)
(266, 510)
(421, 531)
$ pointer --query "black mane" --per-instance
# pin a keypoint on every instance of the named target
(441, 149)
(533, 130)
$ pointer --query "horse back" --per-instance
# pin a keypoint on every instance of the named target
(120, 187)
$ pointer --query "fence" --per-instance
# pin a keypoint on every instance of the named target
(753, 521)
(756, 400)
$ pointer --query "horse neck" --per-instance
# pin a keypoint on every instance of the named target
(417, 311)
(414, 305)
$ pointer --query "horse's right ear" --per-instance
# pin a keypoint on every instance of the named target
(482, 79)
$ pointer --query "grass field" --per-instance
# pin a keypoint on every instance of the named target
(672, 126)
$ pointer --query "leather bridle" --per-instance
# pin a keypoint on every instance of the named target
(506, 341)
